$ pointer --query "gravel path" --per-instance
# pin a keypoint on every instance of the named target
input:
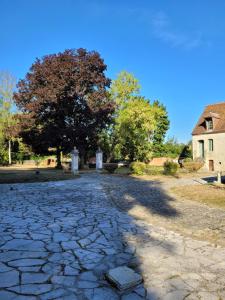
(58, 239)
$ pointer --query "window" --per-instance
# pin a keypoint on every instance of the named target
(209, 124)
(201, 149)
(210, 145)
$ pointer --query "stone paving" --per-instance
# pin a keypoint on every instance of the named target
(153, 201)
(58, 239)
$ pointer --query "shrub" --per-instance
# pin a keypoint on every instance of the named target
(138, 168)
(170, 168)
(192, 166)
(153, 170)
(110, 167)
(123, 171)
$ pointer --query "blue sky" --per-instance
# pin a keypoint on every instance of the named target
(175, 48)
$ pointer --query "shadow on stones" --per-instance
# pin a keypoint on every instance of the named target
(128, 192)
(146, 197)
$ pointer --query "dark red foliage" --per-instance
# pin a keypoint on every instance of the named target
(65, 96)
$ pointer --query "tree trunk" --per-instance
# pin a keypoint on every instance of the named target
(58, 158)
(82, 161)
(10, 156)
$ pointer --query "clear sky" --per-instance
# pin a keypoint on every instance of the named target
(175, 48)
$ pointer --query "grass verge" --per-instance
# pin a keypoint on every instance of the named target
(23, 175)
(207, 194)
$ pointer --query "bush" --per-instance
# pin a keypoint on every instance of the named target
(192, 166)
(170, 168)
(110, 167)
(153, 170)
(138, 168)
(123, 171)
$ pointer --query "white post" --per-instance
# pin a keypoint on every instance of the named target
(75, 161)
(9, 150)
(219, 177)
(219, 174)
(99, 159)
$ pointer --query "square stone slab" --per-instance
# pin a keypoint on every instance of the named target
(124, 277)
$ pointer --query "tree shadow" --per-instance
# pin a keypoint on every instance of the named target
(145, 198)
(128, 192)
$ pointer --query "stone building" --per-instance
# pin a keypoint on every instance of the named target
(208, 137)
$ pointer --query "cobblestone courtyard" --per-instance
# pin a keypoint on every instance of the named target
(58, 239)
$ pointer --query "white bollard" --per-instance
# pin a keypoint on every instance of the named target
(219, 178)
(75, 161)
(99, 159)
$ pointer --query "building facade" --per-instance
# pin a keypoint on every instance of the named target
(208, 137)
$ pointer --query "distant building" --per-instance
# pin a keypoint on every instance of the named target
(208, 137)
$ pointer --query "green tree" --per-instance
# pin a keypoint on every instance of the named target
(139, 127)
(7, 120)
(162, 126)
(135, 125)
(172, 148)
(124, 88)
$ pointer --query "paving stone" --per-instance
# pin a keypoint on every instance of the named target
(71, 233)
(132, 296)
(52, 268)
(9, 278)
(56, 293)
(21, 244)
(4, 295)
(71, 271)
(34, 278)
(61, 237)
(53, 247)
(13, 255)
(26, 262)
(88, 276)
(83, 284)
(70, 245)
(4, 268)
(64, 280)
(124, 277)
(105, 293)
(29, 269)
(32, 289)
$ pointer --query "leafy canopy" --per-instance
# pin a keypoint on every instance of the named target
(64, 98)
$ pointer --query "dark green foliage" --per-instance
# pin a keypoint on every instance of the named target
(170, 168)
(110, 167)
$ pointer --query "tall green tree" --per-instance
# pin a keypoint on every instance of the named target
(124, 88)
(162, 126)
(138, 124)
(7, 120)
(135, 126)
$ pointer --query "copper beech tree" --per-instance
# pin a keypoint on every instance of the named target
(64, 101)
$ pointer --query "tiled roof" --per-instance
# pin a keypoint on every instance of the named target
(217, 113)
